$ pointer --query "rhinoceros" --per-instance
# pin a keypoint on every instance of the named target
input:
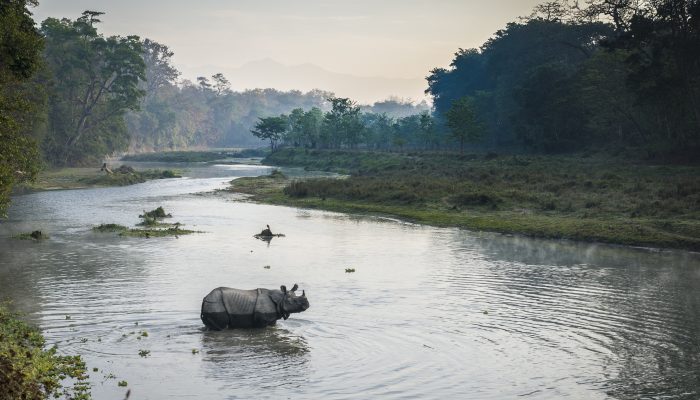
(235, 308)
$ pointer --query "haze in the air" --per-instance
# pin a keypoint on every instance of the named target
(363, 49)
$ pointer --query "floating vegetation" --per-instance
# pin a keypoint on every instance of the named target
(152, 224)
(144, 334)
(349, 270)
(267, 267)
(195, 351)
(144, 353)
(110, 228)
(157, 214)
(35, 235)
(149, 233)
(122, 383)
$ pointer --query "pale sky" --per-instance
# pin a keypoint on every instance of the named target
(378, 38)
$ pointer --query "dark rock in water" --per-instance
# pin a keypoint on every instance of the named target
(226, 308)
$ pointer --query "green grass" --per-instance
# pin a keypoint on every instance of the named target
(29, 370)
(110, 228)
(153, 233)
(194, 156)
(578, 198)
(78, 178)
(36, 235)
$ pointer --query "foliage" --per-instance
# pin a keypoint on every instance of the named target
(270, 128)
(20, 58)
(95, 82)
(29, 371)
(109, 228)
(463, 122)
(595, 74)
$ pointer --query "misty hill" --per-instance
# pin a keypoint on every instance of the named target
(268, 73)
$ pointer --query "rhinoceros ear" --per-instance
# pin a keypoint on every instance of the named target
(295, 287)
(283, 289)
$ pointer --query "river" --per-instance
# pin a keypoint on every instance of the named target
(429, 313)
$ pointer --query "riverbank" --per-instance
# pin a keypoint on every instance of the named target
(28, 370)
(79, 178)
(578, 198)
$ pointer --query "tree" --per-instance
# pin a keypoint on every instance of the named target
(221, 85)
(96, 81)
(463, 123)
(270, 128)
(20, 52)
(159, 69)
(342, 124)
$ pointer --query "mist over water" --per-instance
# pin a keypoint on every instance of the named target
(429, 312)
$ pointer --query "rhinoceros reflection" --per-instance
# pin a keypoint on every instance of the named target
(256, 358)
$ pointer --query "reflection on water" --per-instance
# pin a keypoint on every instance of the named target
(429, 313)
(264, 358)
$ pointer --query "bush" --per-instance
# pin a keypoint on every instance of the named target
(28, 371)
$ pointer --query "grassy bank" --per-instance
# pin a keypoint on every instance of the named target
(579, 198)
(29, 371)
(195, 156)
(77, 178)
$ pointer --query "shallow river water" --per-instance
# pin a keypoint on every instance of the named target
(430, 313)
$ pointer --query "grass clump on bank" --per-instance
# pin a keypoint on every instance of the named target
(195, 156)
(126, 175)
(28, 371)
(78, 178)
(580, 198)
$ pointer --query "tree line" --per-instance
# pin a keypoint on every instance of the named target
(599, 74)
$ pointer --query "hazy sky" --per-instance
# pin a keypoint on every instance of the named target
(387, 38)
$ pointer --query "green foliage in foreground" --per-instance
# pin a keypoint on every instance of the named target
(580, 198)
(28, 371)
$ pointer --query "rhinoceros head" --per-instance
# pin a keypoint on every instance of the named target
(293, 303)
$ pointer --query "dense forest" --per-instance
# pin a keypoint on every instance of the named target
(599, 74)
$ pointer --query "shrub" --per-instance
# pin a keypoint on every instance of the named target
(28, 371)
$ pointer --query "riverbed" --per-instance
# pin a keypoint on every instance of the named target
(428, 313)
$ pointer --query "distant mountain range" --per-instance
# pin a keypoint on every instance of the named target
(268, 73)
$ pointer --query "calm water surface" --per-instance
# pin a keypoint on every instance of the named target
(429, 313)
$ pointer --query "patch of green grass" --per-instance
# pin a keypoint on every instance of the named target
(144, 353)
(29, 370)
(110, 228)
(153, 233)
(579, 198)
(195, 156)
(122, 383)
(35, 235)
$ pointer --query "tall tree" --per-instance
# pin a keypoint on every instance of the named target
(270, 128)
(463, 122)
(96, 81)
(20, 51)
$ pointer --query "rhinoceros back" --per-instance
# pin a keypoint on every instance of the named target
(225, 307)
